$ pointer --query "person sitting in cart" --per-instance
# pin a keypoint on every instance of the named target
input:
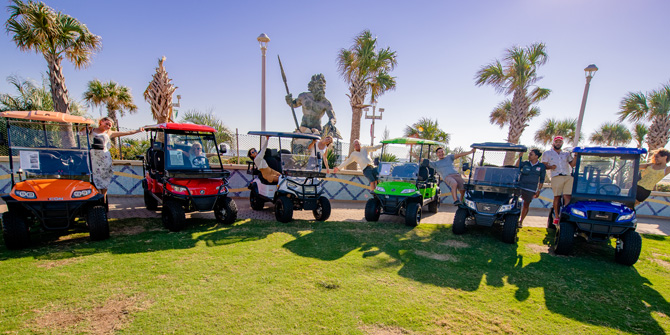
(361, 155)
(560, 163)
(531, 179)
(270, 175)
(444, 166)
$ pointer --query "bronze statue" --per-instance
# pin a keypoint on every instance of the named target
(314, 106)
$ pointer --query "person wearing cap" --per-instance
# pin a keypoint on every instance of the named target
(532, 174)
(560, 163)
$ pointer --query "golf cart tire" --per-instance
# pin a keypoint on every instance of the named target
(509, 229)
(413, 214)
(565, 237)
(459, 228)
(15, 231)
(149, 201)
(173, 216)
(372, 210)
(284, 209)
(98, 226)
(434, 206)
(632, 246)
(225, 211)
(322, 210)
(550, 220)
(255, 200)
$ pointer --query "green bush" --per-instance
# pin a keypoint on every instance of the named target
(663, 187)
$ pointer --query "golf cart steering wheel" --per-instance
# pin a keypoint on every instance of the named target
(609, 189)
(199, 161)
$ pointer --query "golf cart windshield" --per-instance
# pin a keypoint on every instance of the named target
(490, 168)
(606, 175)
(191, 152)
(49, 150)
(393, 171)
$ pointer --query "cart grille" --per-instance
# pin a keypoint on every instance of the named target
(487, 208)
(602, 216)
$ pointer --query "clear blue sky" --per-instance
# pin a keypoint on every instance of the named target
(214, 58)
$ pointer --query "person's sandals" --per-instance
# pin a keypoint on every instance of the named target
(520, 224)
(457, 202)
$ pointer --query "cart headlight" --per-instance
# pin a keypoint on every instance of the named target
(380, 189)
(81, 193)
(577, 212)
(292, 185)
(471, 204)
(626, 217)
(25, 194)
(505, 208)
(408, 190)
(177, 189)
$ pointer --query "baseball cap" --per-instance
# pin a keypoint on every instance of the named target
(558, 138)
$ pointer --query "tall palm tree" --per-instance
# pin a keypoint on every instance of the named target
(366, 69)
(427, 129)
(640, 131)
(612, 134)
(653, 106)
(517, 77)
(37, 27)
(552, 127)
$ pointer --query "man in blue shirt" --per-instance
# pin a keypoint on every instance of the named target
(532, 177)
(445, 168)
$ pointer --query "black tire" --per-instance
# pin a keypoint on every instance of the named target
(630, 251)
(225, 211)
(173, 216)
(413, 214)
(322, 211)
(149, 201)
(255, 201)
(98, 226)
(434, 206)
(459, 227)
(550, 220)
(565, 237)
(510, 229)
(284, 209)
(372, 210)
(15, 231)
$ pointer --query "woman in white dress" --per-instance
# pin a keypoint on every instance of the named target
(101, 160)
(322, 147)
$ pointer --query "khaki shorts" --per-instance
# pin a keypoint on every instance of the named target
(561, 185)
(455, 180)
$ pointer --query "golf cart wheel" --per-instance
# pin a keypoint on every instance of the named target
(98, 226)
(459, 227)
(173, 216)
(149, 201)
(15, 231)
(255, 201)
(565, 236)
(225, 211)
(284, 209)
(434, 206)
(510, 229)
(550, 220)
(413, 214)
(372, 210)
(322, 210)
(630, 249)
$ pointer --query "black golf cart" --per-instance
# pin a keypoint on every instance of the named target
(492, 193)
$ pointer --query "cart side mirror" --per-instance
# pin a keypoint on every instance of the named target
(223, 148)
(139, 157)
(465, 166)
(97, 144)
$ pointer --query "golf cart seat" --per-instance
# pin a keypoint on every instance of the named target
(251, 169)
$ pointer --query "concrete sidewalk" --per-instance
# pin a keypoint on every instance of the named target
(122, 207)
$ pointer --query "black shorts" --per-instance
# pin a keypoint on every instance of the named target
(642, 194)
(371, 173)
(527, 196)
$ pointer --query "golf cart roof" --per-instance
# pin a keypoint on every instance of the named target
(500, 146)
(181, 126)
(283, 134)
(46, 116)
(610, 150)
(412, 140)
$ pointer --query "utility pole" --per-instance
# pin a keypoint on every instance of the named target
(373, 117)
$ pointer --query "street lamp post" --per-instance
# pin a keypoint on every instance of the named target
(373, 117)
(263, 40)
(590, 71)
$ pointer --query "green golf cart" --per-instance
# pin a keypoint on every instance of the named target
(405, 187)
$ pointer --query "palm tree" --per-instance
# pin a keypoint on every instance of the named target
(159, 94)
(30, 97)
(500, 115)
(640, 131)
(55, 35)
(552, 127)
(612, 134)
(653, 106)
(427, 129)
(223, 133)
(517, 77)
(366, 69)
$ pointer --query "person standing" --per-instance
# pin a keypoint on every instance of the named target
(653, 173)
(560, 163)
(444, 166)
(361, 155)
(322, 147)
(532, 175)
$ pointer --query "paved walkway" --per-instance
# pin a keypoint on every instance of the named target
(353, 211)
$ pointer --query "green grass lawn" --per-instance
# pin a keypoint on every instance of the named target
(259, 277)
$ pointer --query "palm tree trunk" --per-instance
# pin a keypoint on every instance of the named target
(59, 95)
(357, 99)
(517, 122)
(659, 132)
